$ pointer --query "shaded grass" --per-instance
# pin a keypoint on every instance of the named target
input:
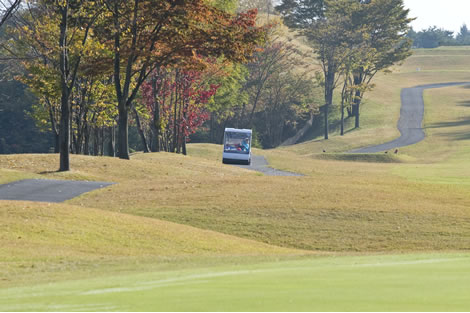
(362, 157)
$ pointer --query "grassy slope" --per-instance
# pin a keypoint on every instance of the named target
(47, 240)
(406, 203)
(337, 207)
(381, 107)
(38, 237)
(372, 209)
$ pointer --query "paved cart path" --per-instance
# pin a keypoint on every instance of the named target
(411, 119)
(260, 164)
(47, 190)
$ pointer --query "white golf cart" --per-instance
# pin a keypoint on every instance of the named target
(237, 146)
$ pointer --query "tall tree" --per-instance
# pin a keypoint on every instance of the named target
(327, 36)
(330, 38)
(463, 37)
(360, 37)
(382, 26)
(152, 33)
(59, 31)
(177, 103)
(76, 19)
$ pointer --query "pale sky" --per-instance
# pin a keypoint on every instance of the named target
(447, 14)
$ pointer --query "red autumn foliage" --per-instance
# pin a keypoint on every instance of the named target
(181, 97)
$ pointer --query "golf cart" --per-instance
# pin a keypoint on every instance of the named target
(237, 146)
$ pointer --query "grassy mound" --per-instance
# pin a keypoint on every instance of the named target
(56, 238)
(415, 201)
(338, 206)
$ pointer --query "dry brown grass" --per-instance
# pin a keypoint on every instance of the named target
(418, 202)
(339, 206)
(43, 242)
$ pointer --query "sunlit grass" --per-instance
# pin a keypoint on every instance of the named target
(169, 209)
(39, 240)
(381, 106)
(433, 282)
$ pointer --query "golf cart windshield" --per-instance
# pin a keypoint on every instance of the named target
(237, 143)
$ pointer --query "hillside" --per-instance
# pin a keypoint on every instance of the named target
(170, 215)
(381, 107)
(41, 241)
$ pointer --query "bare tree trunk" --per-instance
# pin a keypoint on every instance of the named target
(55, 130)
(110, 151)
(64, 133)
(175, 126)
(102, 137)
(95, 142)
(357, 102)
(329, 82)
(343, 98)
(56, 142)
(255, 103)
(156, 116)
(211, 130)
(123, 132)
(86, 144)
(357, 99)
(141, 131)
(180, 118)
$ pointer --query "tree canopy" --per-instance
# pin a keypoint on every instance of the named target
(352, 40)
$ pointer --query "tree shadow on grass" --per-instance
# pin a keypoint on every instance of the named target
(48, 172)
(463, 134)
(464, 103)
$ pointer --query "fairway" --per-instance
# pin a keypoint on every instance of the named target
(353, 232)
(435, 282)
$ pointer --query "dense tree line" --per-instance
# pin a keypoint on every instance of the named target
(434, 37)
(86, 61)
(175, 71)
(353, 40)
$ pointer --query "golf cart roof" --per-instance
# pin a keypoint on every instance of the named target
(236, 130)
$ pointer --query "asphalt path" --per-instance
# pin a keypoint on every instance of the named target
(260, 164)
(411, 119)
(47, 190)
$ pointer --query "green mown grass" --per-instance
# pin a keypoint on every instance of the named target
(368, 283)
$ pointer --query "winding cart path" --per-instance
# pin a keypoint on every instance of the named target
(260, 164)
(411, 119)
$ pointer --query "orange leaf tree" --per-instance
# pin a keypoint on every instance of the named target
(146, 34)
